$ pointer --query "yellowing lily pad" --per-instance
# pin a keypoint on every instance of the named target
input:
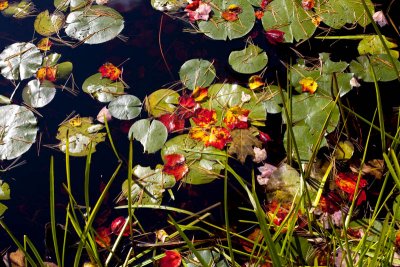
(82, 140)
(161, 102)
(373, 45)
(47, 24)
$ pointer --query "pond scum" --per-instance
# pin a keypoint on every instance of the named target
(328, 203)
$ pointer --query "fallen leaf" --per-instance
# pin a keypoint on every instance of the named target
(108, 70)
(17, 258)
(242, 144)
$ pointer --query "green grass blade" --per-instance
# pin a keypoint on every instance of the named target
(110, 139)
(17, 243)
(226, 215)
(87, 178)
(53, 212)
(188, 243)
(34, 250)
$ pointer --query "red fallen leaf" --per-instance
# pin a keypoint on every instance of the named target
(231, 13)
(173, 122)
(199, 94)
(172, 258)
(175, 165)
(264, 137)
(103, 238)
(108, 70)
(274, 36)
(187, 101)
(259, 14)
(218, 137)
(47, 73)
(236, 117)
(264, 3)
(44, 44)
(193, 6)
(327, 204)
(205, 117)
(229, 16)
(397, 241)
(3, 5)
(308, 4)
(347, 182)
(117, 224)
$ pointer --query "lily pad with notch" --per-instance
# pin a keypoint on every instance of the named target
(17, 131)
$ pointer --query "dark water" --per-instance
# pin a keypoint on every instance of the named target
(144, 72)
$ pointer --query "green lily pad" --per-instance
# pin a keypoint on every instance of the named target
(249, 60)
(152, 135)
(102, 89)
(336, 13)
(64, 70)
(168, 5)
(223, 96)
(51, 60)
(37, 94)
(47, 25)
(161, 102)
(219, 29)
(17, 131)
(384, 70)
(19, 10)
(63, 5)
(96, 25)
(20, 61)
(211, 257)
(4, 100)
(344, 150)
(205, 163)
(323, 75)
(197, 72)
(82, 138)
(271, 99)
(290, 17)
(125, 107)
(4, 190)
(150, 185)
(308, 116)
(284, 183)
(3, 209)
(373, 45)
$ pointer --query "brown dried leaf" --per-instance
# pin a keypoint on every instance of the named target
(374, 167)
(243, 142)
(17, 258)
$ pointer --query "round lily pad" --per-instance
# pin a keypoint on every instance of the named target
(82, 139)
(20, 61)
(161, 102)
(125, 107)
(47, 24)
(17, 131)
(152, 135)
(249, 60)
(290, 17)
(37, 94)
(102, 89)
(220, 29)
(96, 25)
(197, 72)
(205, 163)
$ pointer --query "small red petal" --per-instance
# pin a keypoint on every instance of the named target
(173, 122)
(172, 258)
(264, 137)
(117, 224)
(103, 238)
(275, 36)
(175, 165)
